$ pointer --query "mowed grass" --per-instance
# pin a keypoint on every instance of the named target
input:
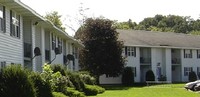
(167, 90)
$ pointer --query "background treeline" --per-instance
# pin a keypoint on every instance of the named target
(162, 23)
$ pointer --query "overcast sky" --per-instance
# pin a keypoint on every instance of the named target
(120, 10)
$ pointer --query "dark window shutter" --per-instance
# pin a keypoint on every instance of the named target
(4, 19)
(184, 53)
(197, 53)
(126, 51)
(18, 34)
(11, 31)
(135, 51)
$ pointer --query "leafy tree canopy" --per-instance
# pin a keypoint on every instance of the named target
(169, 23)
(102, 52)
(54, 17)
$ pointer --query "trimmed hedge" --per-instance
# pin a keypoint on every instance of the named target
(43, 88)
(58, 94)
(92, 90)
(76, 81)
(14, 82)
(71, 92)
(192, 76)
(128, 76)
(150, 76)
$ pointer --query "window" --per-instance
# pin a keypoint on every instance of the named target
(134, 71)
(14, 24)
(187, 53)
(53, 39)
(60, 45)
(75, 52)
(2, 18)
(187, 70)
(198, 71)
(130, 51)
(3, 64)
(198, 54)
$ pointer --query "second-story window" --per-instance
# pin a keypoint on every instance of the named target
(53, 39)
(198, 54)
(187, 53)
(14, 24)
(130, 51)
(75, 52)
(2, 18)
(60, 45)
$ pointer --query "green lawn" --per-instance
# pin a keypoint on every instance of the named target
(170, 90)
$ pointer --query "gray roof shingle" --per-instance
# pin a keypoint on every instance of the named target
(150, 38)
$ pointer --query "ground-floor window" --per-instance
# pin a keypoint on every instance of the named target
(198, 72)
(134, 71)
(3, 64)
(187, 70)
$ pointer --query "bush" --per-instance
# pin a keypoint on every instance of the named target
(87, 79)
(76, 81)
(128, 76)
(59, 68)
(71, 92)
(58, 94)
(192, 76)
(150, 76)
(162, 78)
(14, 82)
(91, 90)
(100, 89)
(43, 88)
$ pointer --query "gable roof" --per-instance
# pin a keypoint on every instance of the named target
(158, 39)
(26, 11)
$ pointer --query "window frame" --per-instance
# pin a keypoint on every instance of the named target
(187, 55)
(198, 54)
(53, 41)
(198, 71)
(15, 20)
(2, 19)
(75, 52)
(130, 51)
(60, 43)
(187, 70)
(134, 71)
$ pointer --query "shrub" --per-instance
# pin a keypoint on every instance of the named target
(57, 81)
(100, 89)
(192, 76)
(128, 76)
(150, 76)
(91, 90)
(87, 79)
(71, 92)
(43, 88)
(59, 68)
(14, 82)
(58, 94)
(76, 81)
(162, 78)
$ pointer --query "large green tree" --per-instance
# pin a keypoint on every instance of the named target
(102, 51)
(55, 18)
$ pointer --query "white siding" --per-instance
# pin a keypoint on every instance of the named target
(27, 31)
(109, 80)
(189, 62)
(38, 44)
(11, 48)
